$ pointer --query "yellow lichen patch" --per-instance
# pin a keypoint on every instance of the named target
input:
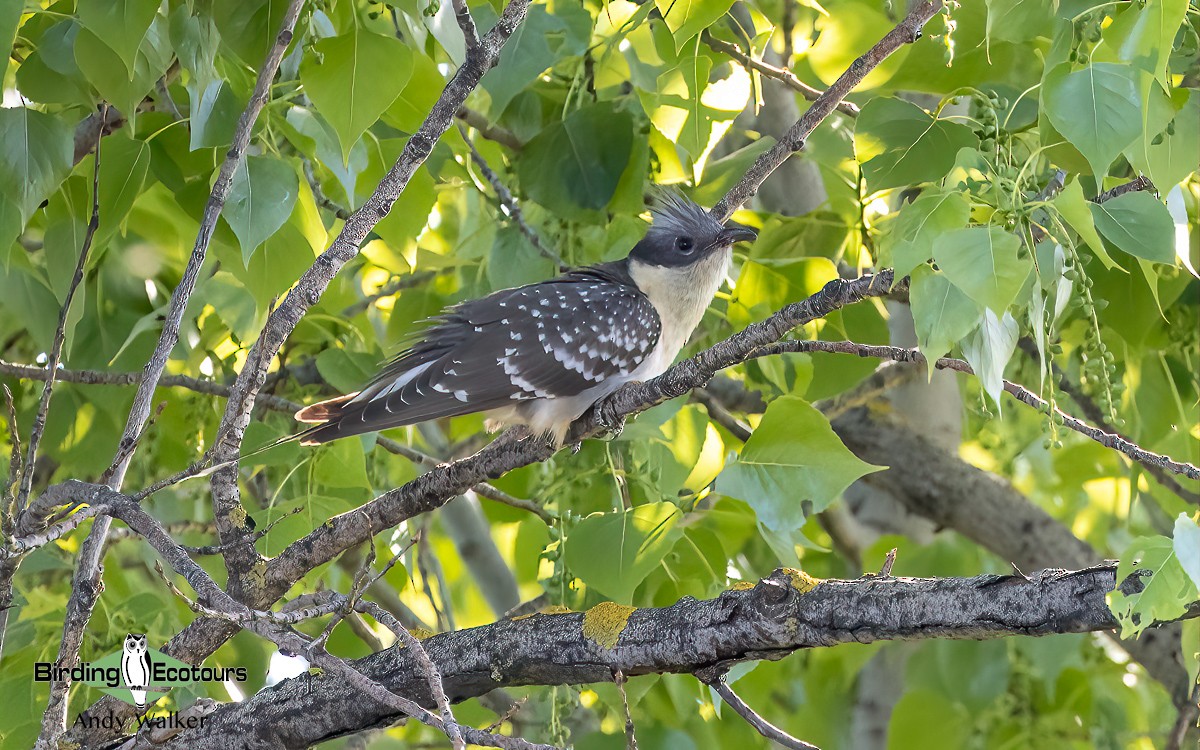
(421, 633)
(741, 586)
(604, 623)
(801, 581)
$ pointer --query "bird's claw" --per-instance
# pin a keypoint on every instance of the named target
(612, 423)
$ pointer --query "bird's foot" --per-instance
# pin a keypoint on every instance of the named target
(608, 419)
(576, 447)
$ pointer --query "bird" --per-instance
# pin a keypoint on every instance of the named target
(540, 355)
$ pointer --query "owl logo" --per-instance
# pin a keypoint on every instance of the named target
(135, 667)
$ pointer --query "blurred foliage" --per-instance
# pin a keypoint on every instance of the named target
(946, 183)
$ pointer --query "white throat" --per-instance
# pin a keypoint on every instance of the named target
(680, 295)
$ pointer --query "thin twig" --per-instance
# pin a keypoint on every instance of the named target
(308, 289)
(715, 679)
(1093, 412)
(783, 75)
(488, 130)
(1142, 182)
(8, 512)
(432, 675)
(323, 200)
(1021, 393)
(387, 290)
(60, 333)
(509, 203)
(630, 732)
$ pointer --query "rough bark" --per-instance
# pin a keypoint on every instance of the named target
(769, 621)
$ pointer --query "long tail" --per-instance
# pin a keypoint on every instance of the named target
(323, 416)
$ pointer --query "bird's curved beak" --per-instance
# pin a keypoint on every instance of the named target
(734, 232)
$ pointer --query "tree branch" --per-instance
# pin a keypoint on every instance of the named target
(783, 75)
(906, 32)
(1019, 392)
(761, 725)
(307, 291)
(86, 581)
(769, 621)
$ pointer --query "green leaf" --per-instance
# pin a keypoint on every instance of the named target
(346, 371)
(1098, 109)
(342, 463)
(1143, 35)
(124, 164)
(943, 314)
(10, 19)
(687, 18)
(260, 200)
(36, 151)
(989, 349)
(1165, 593)
(513, 261)
(983, 262)
(1138, 224)
(912, 231)
(576, 163)
(1018, 20)
(353, 78)
(1187, 546)
(792, 465)
(1073, 207)
(120, 24)
(49, 74)
(1170, 156)
(537, 43)
(899, 144)
(614, 552)
(846, 34)
(416, 99)
(104, 70)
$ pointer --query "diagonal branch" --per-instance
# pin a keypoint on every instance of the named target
(716, 681)
(509, 203)
(906, 32)
(783, 75)
(86, 581)
(312, 284)
(1147, 458)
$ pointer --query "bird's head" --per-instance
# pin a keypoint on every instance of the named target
(683, 233)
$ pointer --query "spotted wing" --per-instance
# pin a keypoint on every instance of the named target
(554, 339)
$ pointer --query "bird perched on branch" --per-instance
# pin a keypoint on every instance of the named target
(540, 355)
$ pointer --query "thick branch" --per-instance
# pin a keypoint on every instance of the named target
(769, 621)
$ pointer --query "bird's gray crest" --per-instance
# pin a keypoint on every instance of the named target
(674, 214)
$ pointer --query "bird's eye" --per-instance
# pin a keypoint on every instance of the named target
(684, 245)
